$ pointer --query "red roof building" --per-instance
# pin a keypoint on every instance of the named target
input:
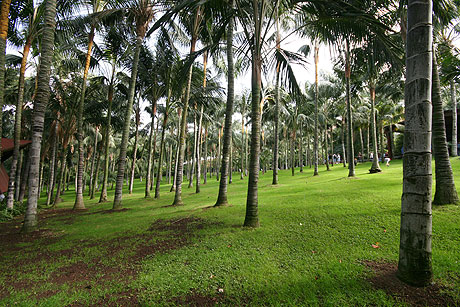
(7, 148)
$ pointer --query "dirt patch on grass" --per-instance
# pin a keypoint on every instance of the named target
(118, 261)
(198, 300)
(385, 279)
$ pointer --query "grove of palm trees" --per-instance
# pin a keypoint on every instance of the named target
(229, 152)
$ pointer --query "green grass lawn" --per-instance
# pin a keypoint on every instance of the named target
(315, 237)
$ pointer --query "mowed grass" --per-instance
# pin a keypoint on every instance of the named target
(315, 234)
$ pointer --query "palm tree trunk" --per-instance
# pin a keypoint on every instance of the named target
(301, 148)
(148, 176)
(445, 192)
(375, 168)
(205, 165)
(133, 165)
(277, 104)
(226, 150)
(344, 158)
(361, 139)
(154, 151)
(170, 163)
(315, 141)
(18, 176)
(326, 153)
(40, 102)
(52, 165)
(93, 162)
(58, 199)
(292, 150)
(182, 134)
(25, 178)
(4, 13)
(218, 153)
(79, 203)
(382, 142)
(96, 172)
(414, 265)
(367, 143)
(454, 118)
(230, 171)
(198, 152)
(17, 125)
(124, 139)
(193, 154)
(252, 214)
(200, 128)
(103, 197)
(160, 159)
(351, 154)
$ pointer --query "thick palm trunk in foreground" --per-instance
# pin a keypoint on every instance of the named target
(223, 184)
(40, 102)
(252, 202)
(414, 265)
(445, 192)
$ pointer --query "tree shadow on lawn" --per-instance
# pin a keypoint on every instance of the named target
(110, 262)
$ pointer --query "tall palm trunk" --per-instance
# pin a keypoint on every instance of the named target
(160, 159)
(170, 163)
(17, 182)
(4, 13)
(79, 203)
(219, 136)
(25, 178)
(350, 149)
(375, 161)
(182, 133)
(226, 150)
(176, 159)
(93, 162)
(154, 151)
(445, 192)
(252, 211)
(198, 151)
(382, 142)
(277, 104)
(315, 140)
(103, 197)
(367, 142)
(205, 165)
(17, 125)
(301, 147)
(292, 151)
(52, 165)
(124, 139)
(361, 139)
(414, 265)
(94, 186)
(40, 102)
(200, 128)
(193, 154)
(454, 118)
(133, 165)
(326, 149)
(148, 176)
(61, 180)
(344, 158)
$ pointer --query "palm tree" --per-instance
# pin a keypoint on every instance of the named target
(222, 196)
(142, 12)
(97, 6)
(40, 101)
(414, 265)
(445, 192)
(31, 31)
(4, 12)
